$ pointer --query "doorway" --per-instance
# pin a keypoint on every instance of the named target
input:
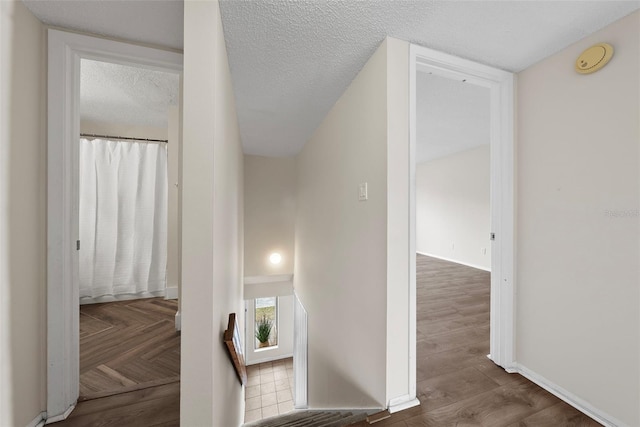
(127, 336)
(66, 53)
(424, 61)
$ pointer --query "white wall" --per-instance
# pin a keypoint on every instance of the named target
(453, 208)
(22, 216)
(212, 217)
(117, 129)
(174, 232)
(351, 267)
(341, 245)
(578, 228)
(269, 214)
(285, 332)
(398, 256)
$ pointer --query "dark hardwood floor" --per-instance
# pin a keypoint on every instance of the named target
(129, 365)
(456, 383)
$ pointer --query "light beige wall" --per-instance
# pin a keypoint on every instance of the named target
(269, 214)
(578, 228)
(453, 208)
(398, 256)
(341, 245)
(117, 129)
(212, 238)
(22, 216)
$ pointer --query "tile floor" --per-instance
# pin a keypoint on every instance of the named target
(269, 390)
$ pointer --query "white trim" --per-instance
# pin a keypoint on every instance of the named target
(403, 402)
(300, 355)
(253, 280)
(65, 52)
(413, 359)
(455, 261)
(270, 359)
(570, 398)
(38, 421)
(62, 416)
(171, 293)
(178, 321)
(501, 84)
(121, 297)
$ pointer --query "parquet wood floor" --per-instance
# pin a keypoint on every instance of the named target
(127, 345)
(129, 365)
(456, 384)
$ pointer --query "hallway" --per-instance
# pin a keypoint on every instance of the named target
(456, 383)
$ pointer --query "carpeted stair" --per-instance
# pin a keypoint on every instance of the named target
(312, 419)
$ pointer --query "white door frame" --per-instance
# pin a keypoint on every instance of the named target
(501, 84)
(65, 52)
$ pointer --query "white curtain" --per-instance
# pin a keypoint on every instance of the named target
(123, 217)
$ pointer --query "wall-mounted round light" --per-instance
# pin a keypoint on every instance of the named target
(275, 258)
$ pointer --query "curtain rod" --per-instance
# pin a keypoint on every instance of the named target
(127, 138)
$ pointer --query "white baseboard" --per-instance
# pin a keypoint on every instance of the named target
(171, 293)
(121, 297)
(455, 260)
(403, 402)
(573, 400)
(269, 359)
(38, 421)
(178, 321)
(62, 416)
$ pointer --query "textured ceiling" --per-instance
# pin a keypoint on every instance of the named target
(156, 22)
(291, 60)
(452, 116)
(113, 93)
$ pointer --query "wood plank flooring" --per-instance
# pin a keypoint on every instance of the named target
(126, 345)
(456, 384)
(129, 365)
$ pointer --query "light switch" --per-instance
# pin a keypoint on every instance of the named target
(362, 192)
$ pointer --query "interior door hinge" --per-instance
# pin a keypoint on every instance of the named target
(492, 236)
(77, 245)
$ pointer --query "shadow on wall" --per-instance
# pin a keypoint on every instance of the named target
(24, 206)
(339, 374)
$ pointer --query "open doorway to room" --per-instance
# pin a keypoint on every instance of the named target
(461, 222)
(124, 76)
(128, 247)
(453, 222)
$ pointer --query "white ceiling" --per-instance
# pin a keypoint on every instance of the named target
(156, 22)
(452, 116)
(113, 93)
(291, 60)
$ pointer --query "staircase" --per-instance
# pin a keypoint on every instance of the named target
(313, 419)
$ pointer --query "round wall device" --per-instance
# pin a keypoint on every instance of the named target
(594, 58)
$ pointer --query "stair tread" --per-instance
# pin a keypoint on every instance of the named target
(310, 418)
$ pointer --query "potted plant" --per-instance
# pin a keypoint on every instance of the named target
(263, 331)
